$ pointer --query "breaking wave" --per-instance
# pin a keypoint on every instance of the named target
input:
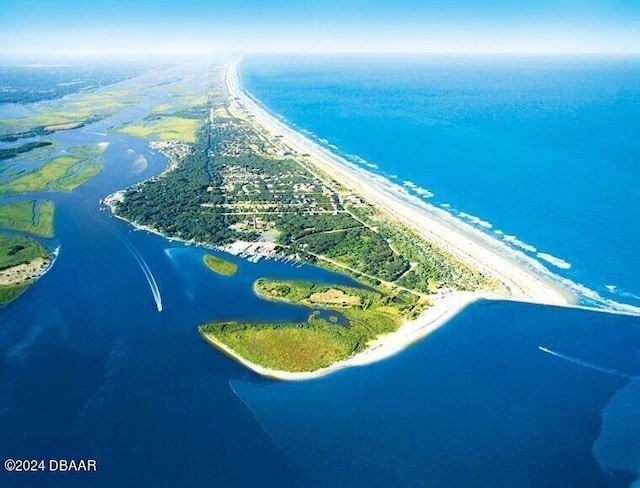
(517, 242)
(475, 220)
(557, 262)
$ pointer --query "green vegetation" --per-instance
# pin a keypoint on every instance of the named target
(286, 347)
(67, 113)
(230, 188)
(12, 152)
(220, 266)
(62, 173)
(319, 342)
(16, 251)
(14, 166)
(234, 184)
(175, 204)
(360, 249)
(376, 311)
(32, 216)
(433, 267)
(9, 293)
(177, 119)
(185, 98)
(164, 128)
(24, 134)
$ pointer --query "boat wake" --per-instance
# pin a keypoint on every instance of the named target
(153, 285)
(586, 364)
(147, 272)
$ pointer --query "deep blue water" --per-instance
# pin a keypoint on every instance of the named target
(90, 369)
(545, 149)
(477, 403)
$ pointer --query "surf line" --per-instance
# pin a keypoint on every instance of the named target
(586, 364)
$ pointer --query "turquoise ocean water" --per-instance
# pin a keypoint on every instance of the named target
(542, 153)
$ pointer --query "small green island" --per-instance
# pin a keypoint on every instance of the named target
(219, 265)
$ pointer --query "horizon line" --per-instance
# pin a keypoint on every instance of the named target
(158, 55)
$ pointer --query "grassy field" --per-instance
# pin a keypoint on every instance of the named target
(317, 343)
(286, 347)
(10, 293)
(72, 111)
(62, 173)
(164, 128)
(219, 266)
(180, 103)
(32, 216)
(16, 250)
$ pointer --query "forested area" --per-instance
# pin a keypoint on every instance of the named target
(228, 187)
(172, 203)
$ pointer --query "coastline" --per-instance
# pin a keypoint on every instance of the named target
(432, 224)
(458, 238)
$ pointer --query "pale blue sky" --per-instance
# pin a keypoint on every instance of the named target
(44, 27)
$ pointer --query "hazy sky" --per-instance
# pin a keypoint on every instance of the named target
(68, 27)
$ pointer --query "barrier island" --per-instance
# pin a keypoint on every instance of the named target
(252, 186)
